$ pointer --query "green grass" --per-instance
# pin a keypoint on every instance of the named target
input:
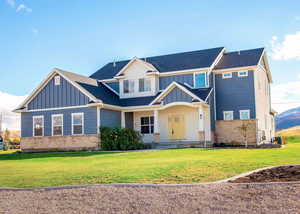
(164, 166)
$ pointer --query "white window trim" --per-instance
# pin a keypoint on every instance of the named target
(145, 79)
(57, 80)
(224, 112)
(242, 111)
(73, 114)
(39, 116)
(206, 76)
(149, 116)
(226, 77)
(242, 75)
(62, 124)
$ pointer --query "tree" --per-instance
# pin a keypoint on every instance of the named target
(7, 136)
(244, 130)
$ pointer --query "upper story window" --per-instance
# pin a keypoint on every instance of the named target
(227, 75)
(38, 126)
(77, 123)
(228, 115)
(200, 80)
(244, 114)
(144, 85)
(242, 73)
(57, 125)
(57, 80)
(128, 86)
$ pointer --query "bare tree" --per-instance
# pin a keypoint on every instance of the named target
(244, 131)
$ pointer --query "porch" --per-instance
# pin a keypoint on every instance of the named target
(178, 124)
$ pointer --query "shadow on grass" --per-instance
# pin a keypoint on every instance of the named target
(23, 156)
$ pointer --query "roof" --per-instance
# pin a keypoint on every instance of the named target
(166, 63)
(240, 58)
(108, 97)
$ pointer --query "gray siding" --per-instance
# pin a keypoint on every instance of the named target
(52, 96)
(90, 121)
(110, 118)
(177, 95)
(234, 94)
(129, 120)
(164, 82)
(114, 85)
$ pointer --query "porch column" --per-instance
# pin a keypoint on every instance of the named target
(123, 119)
(201, 132)
(156, 127)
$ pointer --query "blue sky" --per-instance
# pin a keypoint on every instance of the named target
(81, 36)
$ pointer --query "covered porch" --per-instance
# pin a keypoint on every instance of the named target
(177, 123)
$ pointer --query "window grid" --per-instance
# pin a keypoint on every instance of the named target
(147, 125)
(57, 125)
(38, 126)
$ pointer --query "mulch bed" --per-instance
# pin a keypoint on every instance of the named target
(277, 174)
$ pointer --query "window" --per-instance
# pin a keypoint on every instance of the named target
(38, 126)
(57, 125)
(227, 75)
(147, 125)
(244, 114)
(242, 73)
(128, 86)
(77, 123)
(228, 115)
(57, 80)
(144, 85)
(200, 80)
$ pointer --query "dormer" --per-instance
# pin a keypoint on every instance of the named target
(137, 79)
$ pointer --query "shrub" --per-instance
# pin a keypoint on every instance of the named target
(120, 139)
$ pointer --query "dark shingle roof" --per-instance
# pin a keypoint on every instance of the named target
(166, 63)
(240, 58)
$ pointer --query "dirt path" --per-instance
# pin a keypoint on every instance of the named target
(210, 198)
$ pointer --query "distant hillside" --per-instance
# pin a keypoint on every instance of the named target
(294, 131)
(288, 119)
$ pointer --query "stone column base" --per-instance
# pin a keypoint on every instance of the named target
(156, 137)
(201, 136)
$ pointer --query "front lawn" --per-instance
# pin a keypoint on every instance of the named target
(163, 166)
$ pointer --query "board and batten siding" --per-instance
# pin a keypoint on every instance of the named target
(164, 82)
(55, 96)
(235, 94)
(110, 118)
(90, 121)
(177, 95)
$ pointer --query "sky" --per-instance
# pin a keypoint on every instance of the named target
(82, 36)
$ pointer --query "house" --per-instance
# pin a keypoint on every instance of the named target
(198, 96)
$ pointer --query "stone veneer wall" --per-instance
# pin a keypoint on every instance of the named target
(60, 143)
(228, 131)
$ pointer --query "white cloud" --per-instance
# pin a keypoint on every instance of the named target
(23, 7)
(286, 96)
(8, 103)
(11, 3)
(289, 48)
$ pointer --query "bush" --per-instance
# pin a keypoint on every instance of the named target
(120, 139)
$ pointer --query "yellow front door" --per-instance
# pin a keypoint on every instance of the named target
(176, 127)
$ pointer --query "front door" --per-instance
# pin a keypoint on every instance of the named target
(176, 126)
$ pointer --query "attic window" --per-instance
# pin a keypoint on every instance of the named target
(57, 80)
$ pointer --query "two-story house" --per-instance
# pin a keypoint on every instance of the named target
(198, 96)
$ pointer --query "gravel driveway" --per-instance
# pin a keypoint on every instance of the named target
(208, 198)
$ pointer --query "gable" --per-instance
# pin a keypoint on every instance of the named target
(177, 95)
(54, 96)
(136, 68)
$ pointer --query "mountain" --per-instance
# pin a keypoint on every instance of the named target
(288, 119)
